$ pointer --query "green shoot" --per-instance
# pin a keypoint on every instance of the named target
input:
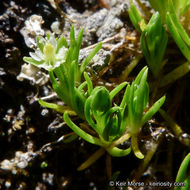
(110, 122)
(115, 124)
(178, 32)
(153, 43)
(183, 174)
(137, 102)
(161, 6)
(136, 17)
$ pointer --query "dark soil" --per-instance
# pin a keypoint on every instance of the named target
(26, 128)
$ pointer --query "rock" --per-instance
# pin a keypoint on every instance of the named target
(32, 28)
(33, 74)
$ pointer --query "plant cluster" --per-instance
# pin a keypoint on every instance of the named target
(105, 123)
(165, 23)
(61, 60)
(109, 124)
(154, 36)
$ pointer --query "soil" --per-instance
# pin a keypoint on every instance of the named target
(31, 154)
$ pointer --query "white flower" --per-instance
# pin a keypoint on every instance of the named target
(50, 53)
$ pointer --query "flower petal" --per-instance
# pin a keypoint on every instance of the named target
(35, 56)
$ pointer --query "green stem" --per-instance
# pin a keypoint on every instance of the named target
(175, 74)
(147, 159)
(174, 126)
(57, 107)
(130, 67)
(121, 140)
(117, 152)
(135, 147)
(91, 159)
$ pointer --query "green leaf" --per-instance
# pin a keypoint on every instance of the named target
(140, 94)
(123, 126)
(89, 57)
(69, 57)
(178, 25)
(82, 85)
(72, 74)
(70, 54)
(117, 89)
(126, 96)
(174, 75)
(89, 82)
(178, 33)
(113, 122)
(56, 107)
(78, 45)
(153, 43)
(156, 106)
(136, 17)
(59, 89)
(39, 43)
(117, 152)
(80, 132)
(32, 61)
(101, 100)
(61, 42)
(62, 76)
(87, 112)
(146, 95)
(180, 6)
(78, 102)
(183, 174)
(131, 110)
(139, 76)
(161, 6)
(72, 37)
